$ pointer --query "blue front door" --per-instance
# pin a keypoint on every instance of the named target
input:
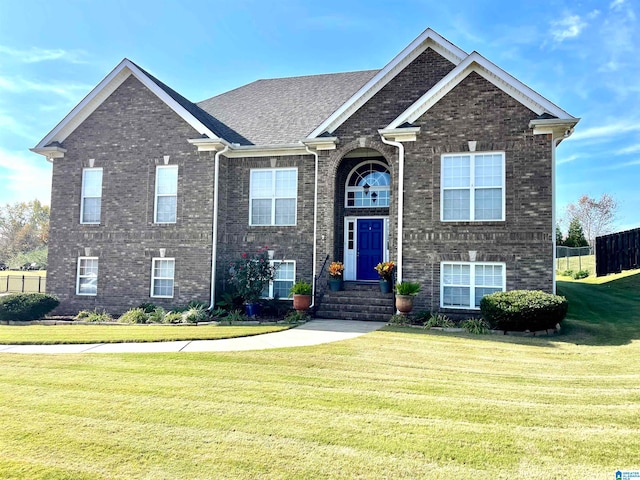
(370, 245)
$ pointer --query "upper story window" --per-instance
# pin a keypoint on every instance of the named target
(463, 284)
(162, 277)
(166, 198)
(87, 276)
(91, 201)
(473, 187)
(273, 196)
(368, 185)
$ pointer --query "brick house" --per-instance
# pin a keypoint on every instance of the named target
(440, 161)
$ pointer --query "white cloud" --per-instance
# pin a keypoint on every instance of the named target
(24, 177)
(616, 4)
(568, 27)
(8, 124)
(70, 91)
(630, 149)
(36, 55)
(605, 131)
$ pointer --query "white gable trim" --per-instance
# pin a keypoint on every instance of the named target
(105, 88)
(427, 39)
(491, 72)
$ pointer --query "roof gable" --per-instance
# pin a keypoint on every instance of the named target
(427, 39)
(491, 72)
(199, 121)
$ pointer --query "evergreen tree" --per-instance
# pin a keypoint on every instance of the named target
(575, 237)
(559, 239)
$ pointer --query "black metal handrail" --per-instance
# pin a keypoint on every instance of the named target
(318, 292)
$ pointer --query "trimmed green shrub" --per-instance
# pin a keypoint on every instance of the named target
(521, 310)
(26, 306)
(135, 315)
(580, 274)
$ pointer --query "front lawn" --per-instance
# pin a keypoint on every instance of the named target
(392, 404)
(51, 334)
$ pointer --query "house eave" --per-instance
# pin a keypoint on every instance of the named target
(50, 153)
(407, 134)
(321, 143)
(209, 144)
(559, 128)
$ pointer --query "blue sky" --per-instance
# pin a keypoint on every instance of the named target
(582, 55)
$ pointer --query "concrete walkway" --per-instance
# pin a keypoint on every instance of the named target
(315, 332)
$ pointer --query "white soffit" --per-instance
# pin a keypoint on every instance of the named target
(427, 39)
(491, 72)
(102, 91)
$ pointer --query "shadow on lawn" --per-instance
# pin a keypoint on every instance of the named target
(599, 314)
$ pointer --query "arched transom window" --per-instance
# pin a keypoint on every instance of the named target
(368, 185)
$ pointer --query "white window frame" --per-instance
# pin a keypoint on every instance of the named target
(79, 277)
(472, 286)
(154, 278)
(273, 263)
(472, 188)
(156, 195)
(274, 196)
(83, 196)
(374, 188)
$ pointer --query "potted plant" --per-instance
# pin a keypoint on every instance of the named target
(249, 275)
(405, 291)
(385, 271)
(301, 292)
(335, 276)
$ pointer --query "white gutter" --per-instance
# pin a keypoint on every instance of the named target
(400, 201)
(315, 226)
(214, 228)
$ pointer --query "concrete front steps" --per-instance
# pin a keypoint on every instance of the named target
(358, 301)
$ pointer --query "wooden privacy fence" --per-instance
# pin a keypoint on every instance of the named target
(617, 252)
(22, 283)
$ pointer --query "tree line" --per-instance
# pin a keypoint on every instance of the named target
(588, 218)
(24, 234)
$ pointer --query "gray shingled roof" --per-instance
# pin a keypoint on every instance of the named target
(284, 110)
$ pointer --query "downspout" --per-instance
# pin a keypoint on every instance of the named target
(214, 228)
(400, 201)
(315, 226)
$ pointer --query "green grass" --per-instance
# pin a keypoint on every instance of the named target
(586, 262)
(51, 334)
(392, 404)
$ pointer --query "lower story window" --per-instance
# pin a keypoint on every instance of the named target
(283, 280)
(87, 279)
(463, 284)
(162, 275)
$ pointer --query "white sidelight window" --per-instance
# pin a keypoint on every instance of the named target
(463, 284)
(166, 198)
(283, 280)
(87, 276)
(473, 187)
(162, 277)
(91, 201)
(273, 196)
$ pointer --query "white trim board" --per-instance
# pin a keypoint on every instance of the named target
(491, 72)
(103, 90)
(427, 39)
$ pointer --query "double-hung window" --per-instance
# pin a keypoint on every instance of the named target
(91, 201)
(273, 196)
(464, 284)
(166, 198)
(162, 277)
(473, 187)
(283, 280)
(87, 277)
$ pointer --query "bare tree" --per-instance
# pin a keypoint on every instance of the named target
(597, 217)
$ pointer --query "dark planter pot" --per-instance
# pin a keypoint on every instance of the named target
(385, 286)
(404, 303)
(252, 309)
(336, 284)
(301, 302)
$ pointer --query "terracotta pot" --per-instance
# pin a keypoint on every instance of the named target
(404, 303)
(301, 302)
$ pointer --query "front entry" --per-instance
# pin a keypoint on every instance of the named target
(370, 247)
